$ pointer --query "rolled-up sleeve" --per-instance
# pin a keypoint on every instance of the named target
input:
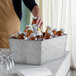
(30, 4)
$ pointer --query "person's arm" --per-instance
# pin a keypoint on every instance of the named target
(34, 8)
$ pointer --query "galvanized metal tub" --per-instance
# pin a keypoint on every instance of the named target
(38, 52)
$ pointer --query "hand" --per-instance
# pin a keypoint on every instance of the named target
(36, 13)
(39, 22)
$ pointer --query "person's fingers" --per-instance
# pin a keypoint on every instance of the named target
(41, 24)
(38, 19)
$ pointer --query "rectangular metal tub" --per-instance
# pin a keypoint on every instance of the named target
(38, 52)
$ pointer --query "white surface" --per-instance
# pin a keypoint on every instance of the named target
(73, 13)
(58, 67)
(35, 72)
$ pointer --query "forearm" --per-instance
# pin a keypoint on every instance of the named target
(36, 11)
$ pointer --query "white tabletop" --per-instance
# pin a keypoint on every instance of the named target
(57, 67)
